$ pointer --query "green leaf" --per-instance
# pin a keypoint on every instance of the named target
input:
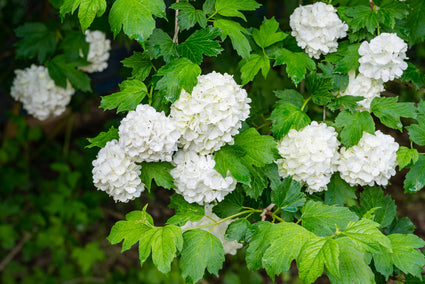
(231, 8)
(346, 58)
(323, 219)
(236, 33)
(73, 44)
(237, 230)
(88, 10)
(131, 93)
(252, 66)
(320, 87)
(288, 240)
(317, 253)
(88, 256)
(268, 34)
(60, 70)
(346, 102)
(339, 191)
(287, 195)
(297, 63)
(260, 241)
(249, 149)
(417, 131)
(287, 116)
(37, 40)
(200, 43)
(353, 264)
(135, 17)
(161, 44)
(159, 172)
(201, 251)
(402, 226)
(354, 124)
(383, 263)
(415, 178)
(362, 17)
(414, 75)
(289, 96)
(416, 21)
(389, 111)
(103, 137)
(406, 156)
(140, 63)
(405, 256)
(188, 16)
(179, 74)
(366, 235)
(185, 211)
(373, 197)
(231, 204)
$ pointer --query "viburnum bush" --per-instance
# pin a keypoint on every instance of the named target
(294, 172)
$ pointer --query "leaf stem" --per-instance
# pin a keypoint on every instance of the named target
(212, 15)
(150, 96)
(305, 102)
(176, 27)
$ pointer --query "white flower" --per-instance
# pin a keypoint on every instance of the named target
(116, 174)
(309, 155)
(212, 114)
(230, 247)
(362, 86)
(372, 160)
(39, 94)
(197, 180)
(317, 28)
(383, 58)
(99, 47)
(147, 135)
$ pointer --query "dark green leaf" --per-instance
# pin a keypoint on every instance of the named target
(389, 111)
(297, 63)
(323, 219)
(236, 33)
(320, 87)
(140, 63)
(228, 158)
(200, 43)
(131, 94)
(88, 10)
(402, 226)
(103, 137)
(185, 211)
(232, 204)
(73, 44)
(60, 70)
(179, 74)
(346, 58)
(188, 16)
(416, 21)
(231, 8)
(373, 197)
(268, 34)
(201, 251)
(37, 40)
(415, 178)
(339, 191)
(362, 17)
(161, 44)
(237, 230)
(287, 116)
(159, 172)
(354, 124)
(260, 241)
(414, 75)
(252, 66)
(406, 156)
(135, 17)
(287, 195)
(346, 102)
(289, 96)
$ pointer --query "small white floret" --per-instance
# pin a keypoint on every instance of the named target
(99, 47)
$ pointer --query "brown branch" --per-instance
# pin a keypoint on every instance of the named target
(176, 27)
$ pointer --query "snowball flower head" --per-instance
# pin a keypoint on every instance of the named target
(39, 94)
(210, 116)
(99, 47)
(362, 86)
(230, 247)
(116, 174)
(309, 155)
(147, 135)
(317, 28)
(383, 58)
(372, 160)
(197, 180)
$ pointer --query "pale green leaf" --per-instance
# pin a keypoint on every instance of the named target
(252, 66)
(129, 97)
(236, 33)
(158, 171)
(103, 137)
(268, 34)
(232, 8)
(405, 255)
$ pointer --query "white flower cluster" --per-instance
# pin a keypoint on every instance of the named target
(362, 86)
(147, 135)
(210, 116)
(372, 160)
(309, 155)
(38, 92)
(99, 47)
(317, 28)
(383, 58)
(116, 174)
(197, 180)
(230, 247)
